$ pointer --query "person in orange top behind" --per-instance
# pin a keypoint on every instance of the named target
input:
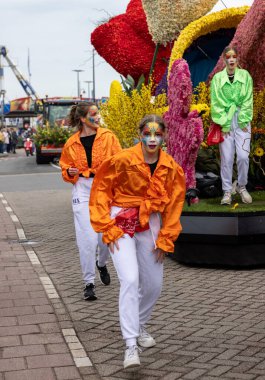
(81, 157)
(136, 202)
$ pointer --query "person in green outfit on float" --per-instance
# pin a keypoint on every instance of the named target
(232, 109)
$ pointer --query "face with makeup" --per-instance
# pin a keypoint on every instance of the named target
(152, 137)
(92, 119)
(230, 60)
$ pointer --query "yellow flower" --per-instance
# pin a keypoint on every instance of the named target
(259, 152)
(122, 112)
(201, 108)
(235, 206)
(227, 18)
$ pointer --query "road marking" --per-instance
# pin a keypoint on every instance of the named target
(33, 258)
(49, 287)
(77, 349)
(75, 346)
(55, 166)
(14, 218)
(9, 209)
(21, 234)
(4, 201)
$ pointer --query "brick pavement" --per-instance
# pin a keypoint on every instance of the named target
(208, 323)
(35, 343)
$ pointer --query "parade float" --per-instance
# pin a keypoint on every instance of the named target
(176, 47)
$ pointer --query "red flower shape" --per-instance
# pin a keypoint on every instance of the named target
(125, 43)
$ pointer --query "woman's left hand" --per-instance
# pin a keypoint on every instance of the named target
(160, 255)
(244, 129)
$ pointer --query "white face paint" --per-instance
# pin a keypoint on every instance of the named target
(231, 59)
(152, 137)
(93, 118)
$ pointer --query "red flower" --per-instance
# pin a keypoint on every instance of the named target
(125, 43)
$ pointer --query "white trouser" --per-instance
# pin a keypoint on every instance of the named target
(87, 239)
(236, 141)
(140, 277)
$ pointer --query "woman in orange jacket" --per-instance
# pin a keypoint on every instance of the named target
(81, 157)
(136, 202)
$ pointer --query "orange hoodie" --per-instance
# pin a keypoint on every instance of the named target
(125, 180)
(105, 145)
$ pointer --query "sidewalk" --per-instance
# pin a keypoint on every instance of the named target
(37, 339)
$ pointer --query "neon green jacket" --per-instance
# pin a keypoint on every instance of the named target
(227, 98)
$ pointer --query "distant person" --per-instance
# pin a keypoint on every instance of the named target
(81, 157)
(14, 140)
(28, 147)
(232, 109)
(6, 140)
(136, 202)
(1, 142)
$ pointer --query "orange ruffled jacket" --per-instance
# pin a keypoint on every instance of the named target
(105, 145)
(125, 181)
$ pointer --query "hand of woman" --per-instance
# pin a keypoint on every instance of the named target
(225, 134)
(160, 255)
(113, 244)
(72, 171)
(245, 129)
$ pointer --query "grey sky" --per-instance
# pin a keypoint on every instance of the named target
(57, 33)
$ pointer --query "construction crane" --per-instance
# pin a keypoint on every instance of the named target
(29, 90)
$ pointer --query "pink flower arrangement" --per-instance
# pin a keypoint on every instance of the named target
(185, 128)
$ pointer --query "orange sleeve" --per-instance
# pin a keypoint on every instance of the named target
(171, 226)
(100, 202)
(66, 162)
(115, 144)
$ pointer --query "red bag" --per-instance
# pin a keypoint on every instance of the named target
(215, 134)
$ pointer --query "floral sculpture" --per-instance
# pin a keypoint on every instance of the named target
(227, 18)
(166, 18)
(250, 40)
(185, 128)
(125, 43)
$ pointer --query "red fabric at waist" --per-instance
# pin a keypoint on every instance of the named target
(128, 220)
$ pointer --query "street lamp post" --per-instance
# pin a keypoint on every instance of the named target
(2, 94)
(88, 87)
(78, 82)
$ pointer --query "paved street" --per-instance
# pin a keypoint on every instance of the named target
(208, 324)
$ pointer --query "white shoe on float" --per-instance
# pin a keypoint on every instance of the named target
(131, 357)
(145, 340)
(227, 198)
(245, 196)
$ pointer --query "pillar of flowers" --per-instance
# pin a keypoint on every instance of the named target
(185, 128)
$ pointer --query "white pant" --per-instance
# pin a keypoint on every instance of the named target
(87, 239)
(140, 277)
(237, 141)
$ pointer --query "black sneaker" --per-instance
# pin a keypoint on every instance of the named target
(103, 274)
(89, 292)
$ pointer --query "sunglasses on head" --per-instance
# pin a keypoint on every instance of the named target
(93, 112)
(227, 56)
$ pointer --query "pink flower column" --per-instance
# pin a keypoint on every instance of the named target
(185, 129)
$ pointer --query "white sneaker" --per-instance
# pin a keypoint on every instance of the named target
(227, 198)
(245, 196)
(131, 357)
(145, 339)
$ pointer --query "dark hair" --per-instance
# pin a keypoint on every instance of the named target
(152, 118)
(228, 48)
(77, 111)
